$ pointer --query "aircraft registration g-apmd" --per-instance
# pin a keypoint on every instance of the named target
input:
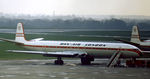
(87, 51)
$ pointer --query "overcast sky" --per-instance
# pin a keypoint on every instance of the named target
(76, 7)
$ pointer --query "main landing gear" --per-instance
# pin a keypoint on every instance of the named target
(86, 59)
(59, 61)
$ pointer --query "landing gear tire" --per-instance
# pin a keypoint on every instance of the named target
(86, 60)
(59, 61)
(131, 62)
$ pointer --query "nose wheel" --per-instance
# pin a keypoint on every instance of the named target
(59, 61)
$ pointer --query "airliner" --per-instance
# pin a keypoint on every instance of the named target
(87, 51)
(135, 40)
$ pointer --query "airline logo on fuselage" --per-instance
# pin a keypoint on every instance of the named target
(79, 44)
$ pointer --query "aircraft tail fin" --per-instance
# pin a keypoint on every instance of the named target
(135, 36)
(20, 36)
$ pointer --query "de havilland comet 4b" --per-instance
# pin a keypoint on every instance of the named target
(87, 51)
(143, 45)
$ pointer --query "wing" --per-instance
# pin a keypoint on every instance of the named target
(134, 44)
(147, 52)
(52, 54)
(128, 42)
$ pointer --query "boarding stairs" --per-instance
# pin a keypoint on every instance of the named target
(114, 59)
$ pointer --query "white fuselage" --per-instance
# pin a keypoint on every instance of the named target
(145, 43)
(96, 49)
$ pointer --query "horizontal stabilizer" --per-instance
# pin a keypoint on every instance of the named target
(11, 41)
(37, 39)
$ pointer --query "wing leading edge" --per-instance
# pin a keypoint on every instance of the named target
(52, 54)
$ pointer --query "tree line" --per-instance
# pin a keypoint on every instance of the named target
(75, 23)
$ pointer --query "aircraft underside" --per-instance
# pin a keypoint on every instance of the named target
(85, 58)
